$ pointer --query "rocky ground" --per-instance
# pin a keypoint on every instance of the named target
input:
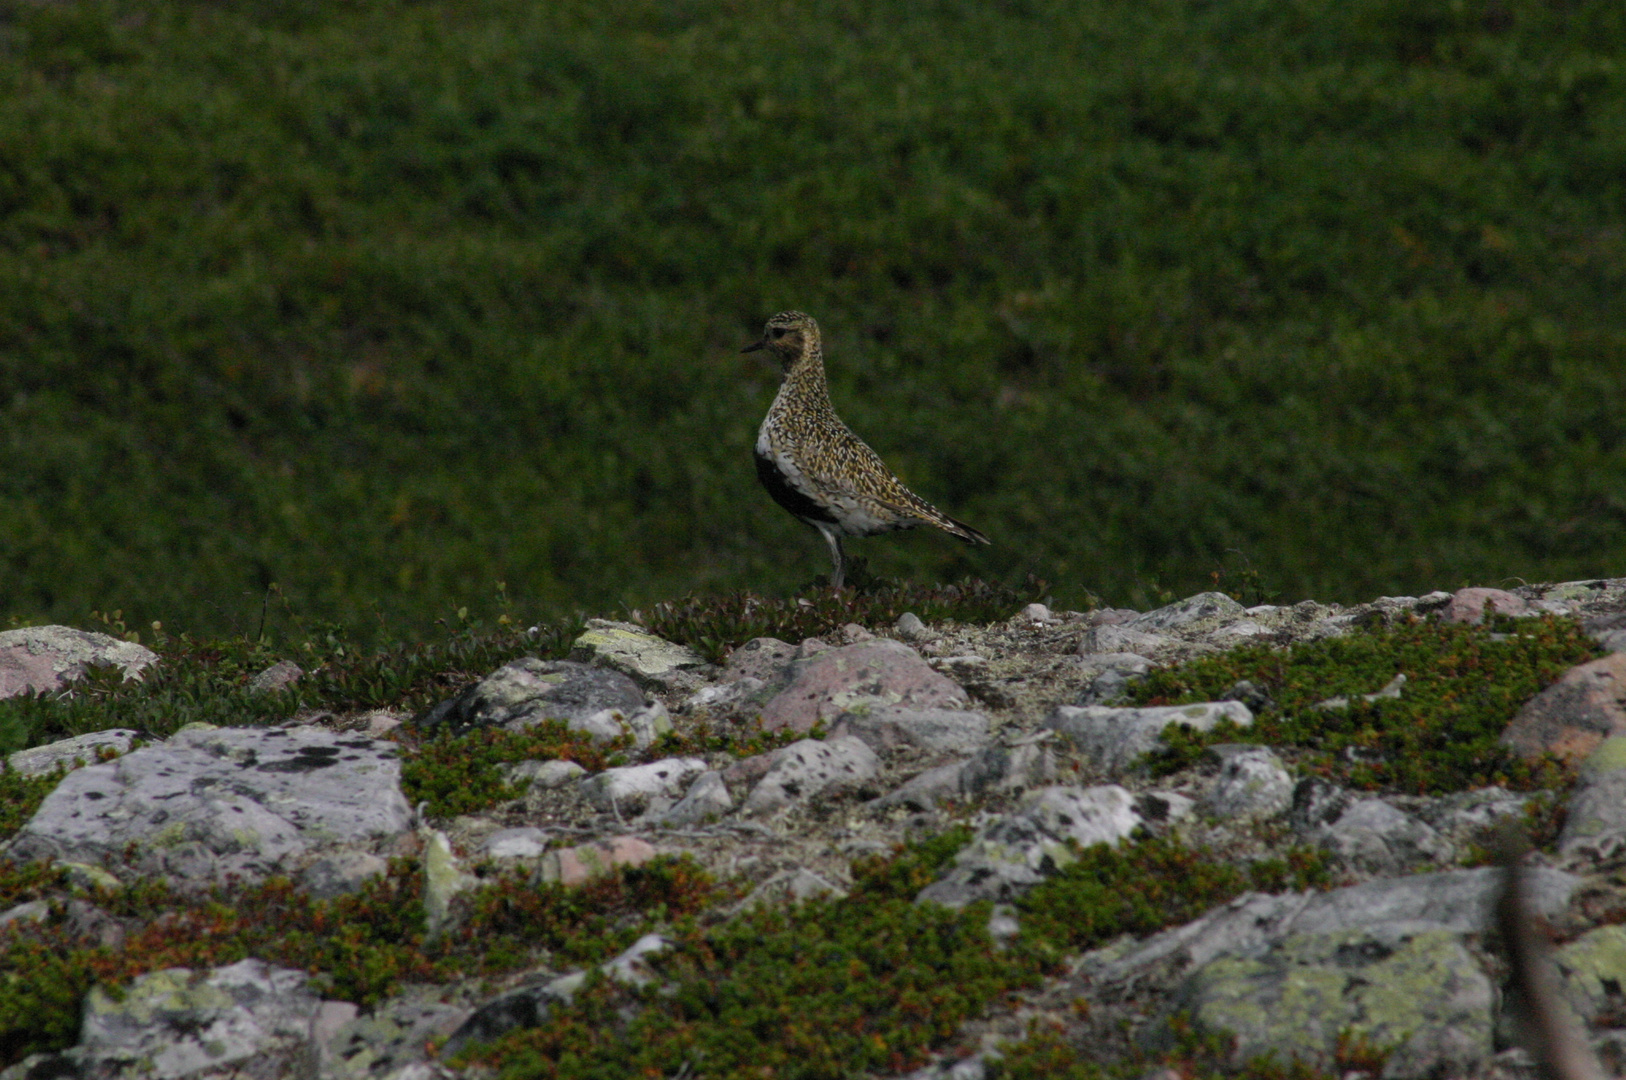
(888, 736)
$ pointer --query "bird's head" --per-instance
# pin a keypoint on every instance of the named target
(789, 335)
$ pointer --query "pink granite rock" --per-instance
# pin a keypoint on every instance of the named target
(1468, 605)
(827, 683)
(37, 659)
(1572, 716)
(572, 866)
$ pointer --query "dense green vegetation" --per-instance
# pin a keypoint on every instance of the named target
(1441, 733)
(390, 303)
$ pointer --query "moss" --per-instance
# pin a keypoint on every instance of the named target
(462, 774)
(360, 947)
(1463, 685)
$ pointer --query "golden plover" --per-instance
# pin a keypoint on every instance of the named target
(815, 467)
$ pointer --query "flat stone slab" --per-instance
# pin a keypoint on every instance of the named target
(177, 1023)
(1422, 994)
(648, 660)
(828, 683)
(84, 749)
(1468, 605)
(1574, 715)
(41, 659)
(887, 727)
(208, 802)
(1115, 739)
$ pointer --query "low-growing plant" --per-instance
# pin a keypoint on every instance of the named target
(715, 624)
(360, 947)
(1463, 685)
(462, 774)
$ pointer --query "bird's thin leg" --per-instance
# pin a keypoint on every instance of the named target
(833, 538)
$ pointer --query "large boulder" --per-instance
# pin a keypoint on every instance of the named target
(215, 801)
(40, 659)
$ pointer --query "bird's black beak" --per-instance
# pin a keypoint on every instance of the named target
(755, 345)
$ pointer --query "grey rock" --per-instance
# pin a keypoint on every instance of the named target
(340, 872)
(1595, 828)
(1252, 783)
(909, 626)
(886, 727)
(1593, 973)
(1115, 739)
(924, 790)
(1459, 901)
(1391, 689)
(177, 1023)
(1114, 639)
(647, 724)
(648, 660)
(706, 799)
(528, 1006)
(632, 788)
(443, 880)
(527, 691)
(807, 768)
(214, 801)
(526, 842)
(1006, 768)
(279, 676)
(1116, 672)
(1367, 834)
(542, 775)
(730, 696)
(43, 659)
(29, 911)
(1421, 993)
(1472, 816)
(390, 1038)
(971, 1068)
(1181, 613)
(767, 659)
(1160, 808)
(83, 749)
(1017, 851)
(791, 887)
(828, 682)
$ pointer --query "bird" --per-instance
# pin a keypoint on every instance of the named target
(815, 467)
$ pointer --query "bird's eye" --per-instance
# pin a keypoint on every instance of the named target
(778, 332)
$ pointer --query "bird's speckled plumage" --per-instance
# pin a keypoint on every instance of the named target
(815, 467)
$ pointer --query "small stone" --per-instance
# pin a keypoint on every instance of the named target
(542, 775)
(279, 676)
(1253, 783)
(1468, 605)
(528, 842)
(1037, 613)
(909, 626)
(887, 727)
(573, 866)
(443, 879)
(1207, 605)
(339, 873)
(706, 799)
(631, 788)
(1113, 638)
(1116, 739)
(925, 790)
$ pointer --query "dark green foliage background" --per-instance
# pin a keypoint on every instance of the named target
(389, 302)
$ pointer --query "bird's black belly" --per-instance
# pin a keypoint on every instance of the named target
(797, 502)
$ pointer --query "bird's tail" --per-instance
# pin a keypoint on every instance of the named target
(960, 529)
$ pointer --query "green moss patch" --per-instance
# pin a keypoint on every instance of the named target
(873, 982)
(360, 946)
(1463, 685)
(462, 774)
